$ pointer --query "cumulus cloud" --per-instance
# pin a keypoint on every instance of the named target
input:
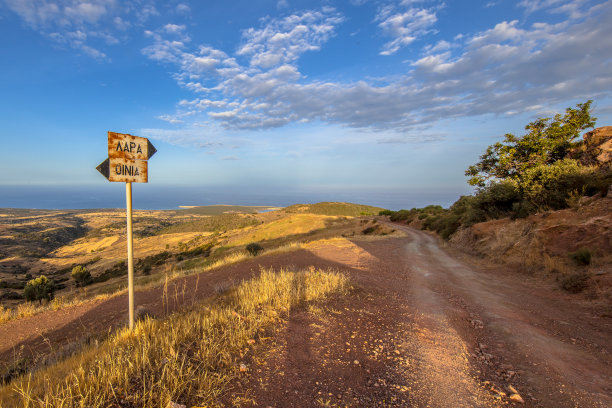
(404, 25)
(81, 24)
(501, 70)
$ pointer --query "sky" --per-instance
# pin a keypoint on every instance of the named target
(384, 96)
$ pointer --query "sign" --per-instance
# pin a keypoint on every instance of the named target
(126, 146)
(127, 162)
(127, 158)
(128, 171)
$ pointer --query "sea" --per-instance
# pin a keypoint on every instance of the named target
(152, 197)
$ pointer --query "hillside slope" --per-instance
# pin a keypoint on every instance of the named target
(546, 243)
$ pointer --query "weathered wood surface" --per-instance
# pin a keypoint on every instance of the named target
(130, 147)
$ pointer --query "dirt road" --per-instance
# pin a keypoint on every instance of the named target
(431, 329)
(426, 327)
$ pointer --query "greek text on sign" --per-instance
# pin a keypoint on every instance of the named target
(130, 147)
(119, 169)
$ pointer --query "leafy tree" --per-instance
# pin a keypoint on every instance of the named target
(39, 289)
(547, 141)
(81, 275)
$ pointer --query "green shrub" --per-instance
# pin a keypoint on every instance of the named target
(403, 215)
(522, 209)
(549, 186)
(39, 289)
(81, 275)
(581, 257)
(119, 269)
(386, 212)
(254, 248)
(575, 283)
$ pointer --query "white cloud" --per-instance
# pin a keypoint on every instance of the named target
(404, 26)
(573, 8)
(283, 41)
(61, 19)
(507, 68)
(183, 8)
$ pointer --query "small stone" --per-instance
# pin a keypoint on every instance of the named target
(512, 389)
(175, 405)
(356, 362)
(243, 367)
(517, 398)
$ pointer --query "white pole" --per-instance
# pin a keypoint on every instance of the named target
(130, 250)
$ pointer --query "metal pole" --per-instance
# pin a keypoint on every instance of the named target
(130, 250)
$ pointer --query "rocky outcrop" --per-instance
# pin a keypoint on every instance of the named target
(596, 148)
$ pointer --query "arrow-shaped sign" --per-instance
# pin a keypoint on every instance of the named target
(129, 171)
(126, 146)
(127, 158)
(103, 168)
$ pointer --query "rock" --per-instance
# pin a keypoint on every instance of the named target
(596, 148)
(512, 389)
(517, 398)
(175, 405)
(243, 367)
(599, 273)
(356, 362)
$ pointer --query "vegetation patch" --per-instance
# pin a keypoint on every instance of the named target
(119, 269)
(224, 209)
(187, 358)
(254, 248)
(581, 257)
(223, 222)
(522, 175)
(575, 283)
(337, 209)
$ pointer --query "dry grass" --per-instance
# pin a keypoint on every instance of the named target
(119, 287)
(287, 226)
(187, 358)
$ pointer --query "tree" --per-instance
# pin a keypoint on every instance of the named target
(547, 141)
(81, 275)
(39, 289)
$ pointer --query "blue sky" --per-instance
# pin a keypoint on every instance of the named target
(362, 94)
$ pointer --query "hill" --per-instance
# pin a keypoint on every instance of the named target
(334, 208)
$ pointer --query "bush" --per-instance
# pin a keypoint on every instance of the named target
(81, 275)
(403, 215)
(254, 248)
(550, 186)
(386, 212)
(575, 283)
(581, 256)
(39, 289)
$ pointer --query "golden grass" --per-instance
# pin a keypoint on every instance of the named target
(187, 358)
(120, 287)
(283, 227)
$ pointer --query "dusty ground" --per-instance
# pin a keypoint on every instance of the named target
(425, 327)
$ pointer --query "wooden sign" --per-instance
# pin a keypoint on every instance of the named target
(124, 170)
(127, 158)
(126, 146)
(127, 162)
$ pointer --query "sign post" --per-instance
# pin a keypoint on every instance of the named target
(127, 162)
